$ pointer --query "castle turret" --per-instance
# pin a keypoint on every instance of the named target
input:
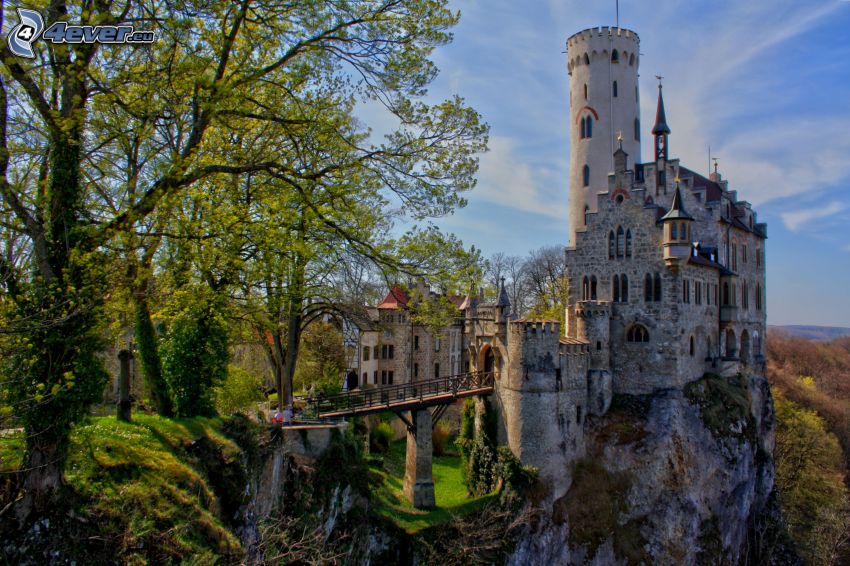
(603, 69)
(677, 232)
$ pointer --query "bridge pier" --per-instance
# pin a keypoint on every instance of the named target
(418, 477)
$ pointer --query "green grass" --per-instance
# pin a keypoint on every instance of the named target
(143, 487)
(11, 450)
(452, 499)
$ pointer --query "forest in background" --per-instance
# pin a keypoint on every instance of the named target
(811, 386)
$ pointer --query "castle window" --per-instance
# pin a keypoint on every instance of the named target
(586, 212)
(624, 288)
(698, 292)
(589, 127)
(392, 350)
(683, 231)
(686, 291)
(585, 91)
(390, 377)
(611, 244)
(628, 243)
(436, 371)
(620, 241)
(674, 233)
(375, 352)
(758, 257)
(657, 288)
(637, 333)
(585, 176)
(365, 353)
(583, 133)
(615, 56)
(615, 89)
(758, 296)
(734, 257)
(416, 342)
(592, 287)
(647, 288)
(745, 296)
(632, 60)
(615, 287)
(585, 289)
(726, 302)
(692, 345)
(637, 125)
(436, 344)
(586, 62)
(598, 345)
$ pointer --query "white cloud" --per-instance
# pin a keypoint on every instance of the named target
(505, 180)
(794, 221)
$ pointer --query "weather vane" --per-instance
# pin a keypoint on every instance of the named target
(659, 77)
(715, 163)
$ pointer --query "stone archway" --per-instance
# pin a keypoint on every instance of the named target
(745, 347)
(731, 344)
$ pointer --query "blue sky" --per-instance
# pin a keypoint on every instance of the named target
(765, 82)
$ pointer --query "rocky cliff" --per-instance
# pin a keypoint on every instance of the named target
(678, 477)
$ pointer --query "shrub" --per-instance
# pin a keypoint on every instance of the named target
(380, 438)
(440, 438)
(195, 356)
(241, 391)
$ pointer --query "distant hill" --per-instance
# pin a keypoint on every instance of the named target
(819, 333)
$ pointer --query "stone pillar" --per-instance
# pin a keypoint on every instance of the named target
(124, 356)
(418, 480)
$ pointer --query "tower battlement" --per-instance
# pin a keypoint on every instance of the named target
(602, 32)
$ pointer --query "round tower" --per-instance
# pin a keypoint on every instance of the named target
(603, 67)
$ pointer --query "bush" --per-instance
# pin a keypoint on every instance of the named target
(240, 392)
(380, 438)
(440, 438)
(195, 356)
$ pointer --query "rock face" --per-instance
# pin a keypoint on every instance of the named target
(678, 477)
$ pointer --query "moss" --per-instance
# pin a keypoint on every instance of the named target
(724, 404)
(594, 506)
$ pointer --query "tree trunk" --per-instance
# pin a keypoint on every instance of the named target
(124, 358)
(42, 472)
(293, 338)
(149, 355)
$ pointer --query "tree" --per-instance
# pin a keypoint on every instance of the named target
(187, 107)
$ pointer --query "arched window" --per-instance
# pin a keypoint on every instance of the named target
(624, 288)
(647, 288)
(758, 296)
(620, 241)
(585, 91)
(745, 296)
(637, 129)
(615, 89)
(586, 60)
(615, 56)
(585, 176)
(692, 345)
(611, 245)
(683, 231)
(657, 287)
(585, 289)
(632, 60)
(583, 133)
(628, 243)
(674, 233)
(615, 287)
(592, 287)
(586, 212)
(637, 333)
(589, 127)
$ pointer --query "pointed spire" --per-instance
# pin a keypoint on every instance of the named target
(504, 301)
(677, 209)
(661, 126)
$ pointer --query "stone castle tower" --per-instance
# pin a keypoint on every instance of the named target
(604, 104)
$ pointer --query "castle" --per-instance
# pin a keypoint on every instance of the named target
(666, 273)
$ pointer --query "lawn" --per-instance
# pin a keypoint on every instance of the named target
(452, 500)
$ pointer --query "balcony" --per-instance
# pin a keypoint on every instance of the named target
(728, 313)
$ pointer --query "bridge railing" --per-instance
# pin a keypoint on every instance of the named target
(387, 395)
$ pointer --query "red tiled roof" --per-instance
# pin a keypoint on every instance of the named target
(573, 341)
(395, 298)
(712, 189)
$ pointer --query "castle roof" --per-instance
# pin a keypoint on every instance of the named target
(677, 209)
(504, 301)
(396, 298)
(661, 126)
(712, 189)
